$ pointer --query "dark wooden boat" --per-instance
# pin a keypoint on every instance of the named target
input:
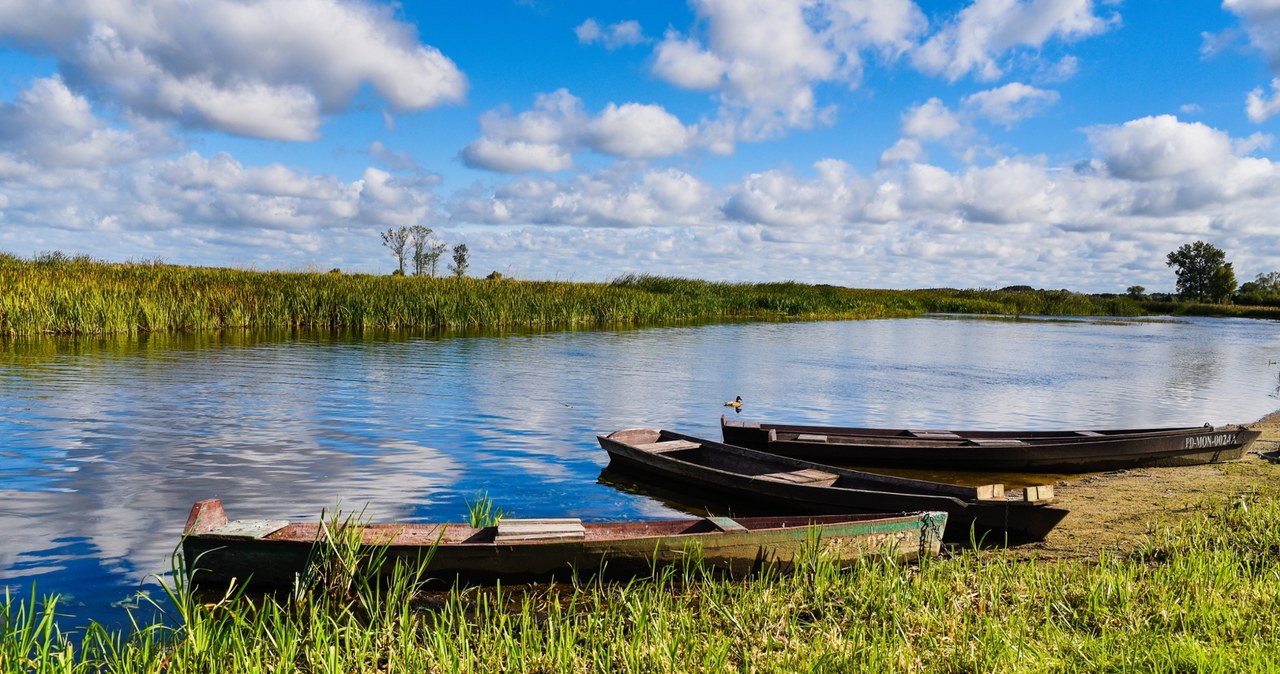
(754, 479)
(995, 451)
(269, 554)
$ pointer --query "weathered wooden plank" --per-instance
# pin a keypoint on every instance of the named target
(806, 476)
(997, 442)
(511, 530)
(809, 437)
(1038, 493)
(990, 492)
(726, 524)
(667, 446)
(250, 528)
(934, 435)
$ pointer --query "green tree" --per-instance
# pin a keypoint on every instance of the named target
(1263, 290)
(433, 255)
(1136, 292)
(420, 240)
(397, 240)
(1197, 265)
(460, 261)
(1223, 285)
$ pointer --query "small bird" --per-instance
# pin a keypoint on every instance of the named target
(736, 404)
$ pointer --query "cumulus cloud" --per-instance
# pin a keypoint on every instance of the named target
(932, 120)
(1261, 22)
(763, 59)
(614, 36)
(986, 31)
(1159, 147)
(546, 137)
(659, 197)
(1261, 107)
(637, 131)
(1010, 103)
(204, 64)
(53, 127)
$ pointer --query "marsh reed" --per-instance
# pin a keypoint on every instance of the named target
(1199, 596)
(79, 296)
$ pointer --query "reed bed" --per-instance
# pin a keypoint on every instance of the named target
(1201, 596)
(78, 296)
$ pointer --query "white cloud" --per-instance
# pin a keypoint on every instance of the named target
(1160, 147)
(1010, 103)
(546, 137)
(1259, 106)
(51, 126)
(1102, 224)
(636, 131)
(204, 64)
(764, 58)
(986, 31)
(684, 63)
(621, 34)
(664, 198)
(1261, 20)
(932, 120)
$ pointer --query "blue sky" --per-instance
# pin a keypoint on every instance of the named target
(867, 143)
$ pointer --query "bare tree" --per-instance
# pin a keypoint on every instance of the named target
(460, 262)
(396, 240)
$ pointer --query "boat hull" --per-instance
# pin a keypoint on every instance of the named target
(748, 478)
(219, 552)
(993, 451)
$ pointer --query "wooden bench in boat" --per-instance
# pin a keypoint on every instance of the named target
(726, 524)
(997, 442)
(667, 446)
(934, 435)
(809, 476)
(553, 529)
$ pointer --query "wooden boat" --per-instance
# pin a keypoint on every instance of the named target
(269, 554)
(995, 451)
(756, 479)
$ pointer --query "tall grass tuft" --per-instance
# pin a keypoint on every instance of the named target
(56, 294)
(483, 513)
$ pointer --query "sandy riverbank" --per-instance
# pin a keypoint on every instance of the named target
(1114, 510)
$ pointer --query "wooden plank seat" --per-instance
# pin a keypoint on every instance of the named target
(810, 476)
(810, 437)
(667, 446)
(726, 524)
(552, 529)
(997, 442)
(934, 435)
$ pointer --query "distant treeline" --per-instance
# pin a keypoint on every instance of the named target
(54, 294)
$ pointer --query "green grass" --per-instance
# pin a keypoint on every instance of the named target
(1201, 596)
(74, 296)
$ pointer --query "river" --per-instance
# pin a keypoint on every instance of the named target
(108, 441)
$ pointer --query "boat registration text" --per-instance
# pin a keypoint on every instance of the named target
(1208, 441)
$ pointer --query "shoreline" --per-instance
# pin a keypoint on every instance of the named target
(1114, 511)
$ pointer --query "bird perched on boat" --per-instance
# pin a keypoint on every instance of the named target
(736, 404)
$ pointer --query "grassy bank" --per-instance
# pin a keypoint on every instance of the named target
(1202, 596)
(78, 296)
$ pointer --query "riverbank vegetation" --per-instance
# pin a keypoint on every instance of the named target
(61, 295)
(1199, 596)
(54, 294)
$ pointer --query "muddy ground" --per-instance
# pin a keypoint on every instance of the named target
(1114, 510)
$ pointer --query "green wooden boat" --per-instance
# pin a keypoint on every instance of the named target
(269, 554)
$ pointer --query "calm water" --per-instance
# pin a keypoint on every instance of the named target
(106, 443)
